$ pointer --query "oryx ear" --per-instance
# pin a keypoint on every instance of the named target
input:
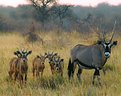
(18, 52)
(56, 54)
(15, 53)
(114, 42)
(99, 42)
(45, 53)
(62, 59)
(29, 52)
(38, 56)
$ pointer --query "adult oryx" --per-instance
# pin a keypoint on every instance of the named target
(90, 57)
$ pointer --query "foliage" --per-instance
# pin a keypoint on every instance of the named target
(43, 8)
(52, 16)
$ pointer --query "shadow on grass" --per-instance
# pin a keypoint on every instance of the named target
(48, 82)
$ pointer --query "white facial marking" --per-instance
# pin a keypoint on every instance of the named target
(109, 45)
(104, 45)
(107, 54)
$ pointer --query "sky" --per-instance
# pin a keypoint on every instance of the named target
(93, 3)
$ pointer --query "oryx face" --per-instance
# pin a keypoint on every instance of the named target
(23, 55)
(57, 66)
(107, 47)
(56, 61)
(42, 58)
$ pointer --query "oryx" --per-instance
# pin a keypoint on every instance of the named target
(19, 66)
(51, 57)
(39, 65)
(58, 65)
(90, 57)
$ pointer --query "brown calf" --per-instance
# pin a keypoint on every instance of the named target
(19, 66)
(57, 65)
(38, 65)
(51, 57)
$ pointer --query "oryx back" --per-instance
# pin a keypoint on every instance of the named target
(88, 56)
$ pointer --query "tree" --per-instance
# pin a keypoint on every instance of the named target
(6, 24)
(43, 8)
(60, 12)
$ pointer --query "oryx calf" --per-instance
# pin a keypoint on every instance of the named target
(19, 66)
(58, 66)
(38, 65)
(51, 57)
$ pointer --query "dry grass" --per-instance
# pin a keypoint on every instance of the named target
(54, 85)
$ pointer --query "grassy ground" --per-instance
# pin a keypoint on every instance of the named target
(54, 85)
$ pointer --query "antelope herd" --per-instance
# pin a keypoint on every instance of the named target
(86, 57)
(19, 65)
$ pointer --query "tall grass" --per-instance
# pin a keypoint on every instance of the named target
(50, 85)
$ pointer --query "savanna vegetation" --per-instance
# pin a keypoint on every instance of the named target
(50, 85)
(57, 28)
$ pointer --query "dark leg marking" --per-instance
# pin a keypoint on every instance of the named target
(70, 70)
(96, 74)
(79, 74)
(25, 78)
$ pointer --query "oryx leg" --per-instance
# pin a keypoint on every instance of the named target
(52, 71)
(20, 78)
(73, 68)
(15, 76)
(69, 74)
(10, 74)
(42, 72)
(70, 68)
(33, 71)
(25, 78)
(79, 74)
(61, 73)
(96, 74)
(37, 73)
